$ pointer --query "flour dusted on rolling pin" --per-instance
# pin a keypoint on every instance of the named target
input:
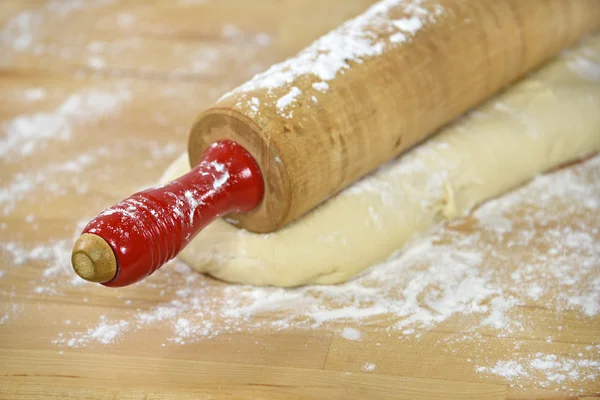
(375, 87)
(364, 36)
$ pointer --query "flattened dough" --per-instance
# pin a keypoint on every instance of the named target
(551, 117)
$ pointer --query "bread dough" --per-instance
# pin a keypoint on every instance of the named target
(551, 117)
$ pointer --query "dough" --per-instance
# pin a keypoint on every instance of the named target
(551, 117)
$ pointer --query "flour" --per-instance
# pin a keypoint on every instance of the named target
(546, 369)
(409, 25)
(398, 37)
(320, 86)
(96, 62)
(221, 180)
(125, 20)
(54, 253)
(254, 106)
(368, 367)
(27, 133)
(195, 197)
(21, 32)
(191, 198)
(365, 36)
(586, 67)
(285, 101)
(506, 369)
(35, 94)
(351, 334)
(104, 333)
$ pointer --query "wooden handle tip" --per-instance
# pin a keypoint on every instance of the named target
(93, 259)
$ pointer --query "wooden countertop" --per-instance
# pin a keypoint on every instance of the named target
(107, 91)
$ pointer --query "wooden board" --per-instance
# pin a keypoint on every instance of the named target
(169, 60)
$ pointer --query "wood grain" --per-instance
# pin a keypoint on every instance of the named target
(147, 58)
(80, 373)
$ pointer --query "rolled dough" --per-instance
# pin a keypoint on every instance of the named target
(549, 118)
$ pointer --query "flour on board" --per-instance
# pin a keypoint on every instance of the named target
(443, 275)
(545, 369)
(368, 367)
(438, 277)
(27, 132)
(320, 86)
(351, 334)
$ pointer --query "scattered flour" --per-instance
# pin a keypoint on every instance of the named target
(285, 101)
(26, 133)
(55, 254)
(507, 369)
(545, 369)
(360, 38)
(222, 178)
(409, 25)
(351, 334)
(586, 68)
(22, 31)
(96, 62)
(254, 106)
(19, 32)
(104, 333)
(368, 367)
(35, 94)
(320, 86)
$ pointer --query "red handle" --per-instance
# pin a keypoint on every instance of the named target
(151, 227)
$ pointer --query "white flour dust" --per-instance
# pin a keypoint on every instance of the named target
(104, 333)
(285, 101)
(21, 33)
(364, 36)
(550, 368)
(351, 334)
(28, 132)
(369, 367)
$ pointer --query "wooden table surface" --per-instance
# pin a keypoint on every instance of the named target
(162, 62)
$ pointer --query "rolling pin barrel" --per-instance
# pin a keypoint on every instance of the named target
(300, 132)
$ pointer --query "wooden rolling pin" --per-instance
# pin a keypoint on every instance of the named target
(291, 137)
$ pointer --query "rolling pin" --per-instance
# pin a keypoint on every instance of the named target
(285, 141)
